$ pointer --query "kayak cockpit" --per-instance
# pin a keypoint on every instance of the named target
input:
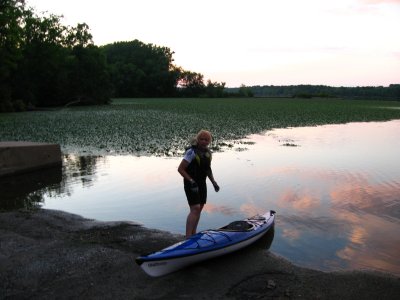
(238, 226)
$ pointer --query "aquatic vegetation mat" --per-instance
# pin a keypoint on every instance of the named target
(165, 126)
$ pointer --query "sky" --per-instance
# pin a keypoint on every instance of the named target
(254, 42)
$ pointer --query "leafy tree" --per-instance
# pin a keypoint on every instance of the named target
(141, 70)
(78, 36)
(11, 15)
(42, 67)
(215, 89)
(40, 59)
(88, 78)
(191, 84)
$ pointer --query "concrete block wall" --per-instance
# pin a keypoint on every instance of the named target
(20, 157)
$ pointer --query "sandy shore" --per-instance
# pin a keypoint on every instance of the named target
(49, 254)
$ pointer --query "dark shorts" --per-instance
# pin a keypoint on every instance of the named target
(196, 198)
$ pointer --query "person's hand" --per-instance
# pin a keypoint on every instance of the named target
(216, 186)
(194, 187)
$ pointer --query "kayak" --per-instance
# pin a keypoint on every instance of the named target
(207, 244)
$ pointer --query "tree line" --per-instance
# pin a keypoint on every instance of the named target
(45, 63)
(392, 92)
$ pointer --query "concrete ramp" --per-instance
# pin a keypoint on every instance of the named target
(20, 157)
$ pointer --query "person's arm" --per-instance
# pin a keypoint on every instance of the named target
(182, 170)
(211, 177)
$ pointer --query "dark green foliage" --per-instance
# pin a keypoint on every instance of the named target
(41, 61)
(44, 63)
(88, 78)
(145, 70)
(191, 84)
(215, 89)
(11, 13)
(141, 70)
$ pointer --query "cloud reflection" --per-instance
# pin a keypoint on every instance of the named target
(372, 209)
(250, 209)
(291, 233)
(222, 209)
(298, 202)
(381, 199)
(363, 214)
(358, 235)
(373, 243)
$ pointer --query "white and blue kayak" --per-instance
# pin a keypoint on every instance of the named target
(207, 244)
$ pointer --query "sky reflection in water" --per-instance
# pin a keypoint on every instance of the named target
(336, 190)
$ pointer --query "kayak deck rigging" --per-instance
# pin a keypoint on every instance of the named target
(210, 237)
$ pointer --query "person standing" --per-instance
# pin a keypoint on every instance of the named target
(195, 167)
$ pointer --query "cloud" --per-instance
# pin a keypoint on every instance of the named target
(397, 55)
(380, 1)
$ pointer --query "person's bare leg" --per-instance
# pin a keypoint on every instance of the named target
(198, 219)
(193, 219)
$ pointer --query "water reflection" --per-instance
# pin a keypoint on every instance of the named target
(26, 191)
(81, 168)
(266, 241)
(337, 193)
(336, 190)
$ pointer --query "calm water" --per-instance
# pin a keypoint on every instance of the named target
(336, 190)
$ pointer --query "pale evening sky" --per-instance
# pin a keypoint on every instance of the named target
(255, 42)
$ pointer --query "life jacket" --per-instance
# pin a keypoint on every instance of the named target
(200, 166)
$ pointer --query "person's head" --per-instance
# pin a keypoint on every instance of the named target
(203, 139)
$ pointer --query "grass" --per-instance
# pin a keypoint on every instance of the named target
(164, 126)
